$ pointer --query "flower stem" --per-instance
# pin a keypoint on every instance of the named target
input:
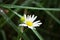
(37, 34)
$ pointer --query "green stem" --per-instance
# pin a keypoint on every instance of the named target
(37, 34)
(15, 13)
(3, 34)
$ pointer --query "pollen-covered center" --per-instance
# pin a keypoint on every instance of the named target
(29, 23)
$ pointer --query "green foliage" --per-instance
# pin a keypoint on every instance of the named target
(48, 11)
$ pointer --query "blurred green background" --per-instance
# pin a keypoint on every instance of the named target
(48, 11)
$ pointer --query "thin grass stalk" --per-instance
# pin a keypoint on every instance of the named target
(26, 7)
(4, 35)
(37, 34)
(49, 13)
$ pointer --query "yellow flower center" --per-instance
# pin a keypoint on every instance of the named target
(29, 23)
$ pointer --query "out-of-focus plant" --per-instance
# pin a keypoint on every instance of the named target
(11, 18)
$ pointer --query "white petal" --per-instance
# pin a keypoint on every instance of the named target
(25, 16)
(37, 22)
(29, 18)
(34, 18)
(22, 25)
(35, 25)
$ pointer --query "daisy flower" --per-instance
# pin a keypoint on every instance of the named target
(29, 21)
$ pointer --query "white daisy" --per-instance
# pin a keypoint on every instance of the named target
(30, 22)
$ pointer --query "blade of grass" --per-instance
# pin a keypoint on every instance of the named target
(10, 16)
(37, 34)
(25, 3)
(26, 7)
(49, 13)
(3, 34)
(8, 20)
(15, 13)
(25, 37)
